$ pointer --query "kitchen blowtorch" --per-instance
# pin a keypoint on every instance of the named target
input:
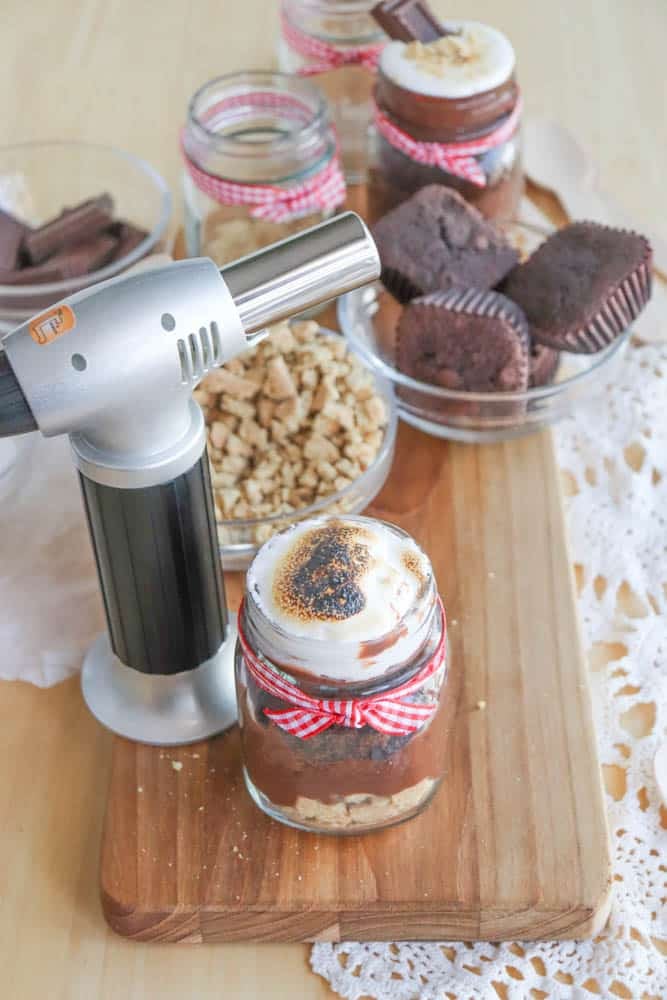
(114, 367)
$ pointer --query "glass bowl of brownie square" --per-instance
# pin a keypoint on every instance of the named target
(72, 214)
(489, 331)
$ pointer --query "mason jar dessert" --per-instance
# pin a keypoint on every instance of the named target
(261, 163)
(343, 688)
(338, 43)
(448, 111)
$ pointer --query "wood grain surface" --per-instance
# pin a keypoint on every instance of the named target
(513, 846)
(117, 72)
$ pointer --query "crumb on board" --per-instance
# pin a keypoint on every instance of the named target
(140, 788)
(177, 765)
(481, 705)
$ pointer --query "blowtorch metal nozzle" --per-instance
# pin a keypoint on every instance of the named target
(302, 271)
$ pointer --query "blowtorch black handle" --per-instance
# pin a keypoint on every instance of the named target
(157, 557)
(15, 413)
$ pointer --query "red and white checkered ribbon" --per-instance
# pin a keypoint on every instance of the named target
(323, 191)
(457, 158)
(324, 57)
(387, 712)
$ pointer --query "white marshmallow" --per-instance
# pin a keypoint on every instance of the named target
(492, 64)
(396, 586)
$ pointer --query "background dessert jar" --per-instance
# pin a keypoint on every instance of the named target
(338, 43)
(345, 699)
(448, 112)
(261, 163)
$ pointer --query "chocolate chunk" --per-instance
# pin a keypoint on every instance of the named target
(127, 236)
(31, 275)
(583, 286)
(544, 363)
(12, 232)
(84, 257)
(436, 240)
(408, 21)
(79, 259)
(72, 226)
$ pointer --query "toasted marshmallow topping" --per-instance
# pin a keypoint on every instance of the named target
(476, 59)
(357, 592)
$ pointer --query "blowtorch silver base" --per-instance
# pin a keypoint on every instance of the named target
(161, 709)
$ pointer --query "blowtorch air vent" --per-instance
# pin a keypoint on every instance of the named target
(200, 353)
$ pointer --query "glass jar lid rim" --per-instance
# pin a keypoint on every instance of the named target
(281, 632)
(246, 81)
(330, 6)
(354, 686)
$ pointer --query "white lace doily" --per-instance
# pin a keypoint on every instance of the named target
(615, 472)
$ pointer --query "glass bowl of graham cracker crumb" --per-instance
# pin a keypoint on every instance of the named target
(297, 426)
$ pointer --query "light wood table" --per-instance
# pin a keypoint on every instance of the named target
(121, 72)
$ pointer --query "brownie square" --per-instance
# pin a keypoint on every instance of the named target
(436, 241)
(465, 339)
(583, 286)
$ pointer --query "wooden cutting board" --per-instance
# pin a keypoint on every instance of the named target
(514, 846)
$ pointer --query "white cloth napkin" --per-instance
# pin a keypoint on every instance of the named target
(50, 608)
(50, 605)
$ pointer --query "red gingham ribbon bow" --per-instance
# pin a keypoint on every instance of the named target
(324, 56)
(457, 158)
(321, 192)
(386, 712)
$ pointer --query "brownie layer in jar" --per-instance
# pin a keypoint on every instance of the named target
(425, 117)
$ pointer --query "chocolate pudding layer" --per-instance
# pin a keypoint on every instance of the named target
(437, 119)
(457, 89)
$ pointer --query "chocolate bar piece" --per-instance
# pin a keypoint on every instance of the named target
(11, 236)
(84, 257)
(127, 236)
(77, 260)
(72, 226)
(31, 275)
(408, 20)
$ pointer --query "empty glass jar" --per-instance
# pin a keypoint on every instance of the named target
(261, 163)
(338, 42)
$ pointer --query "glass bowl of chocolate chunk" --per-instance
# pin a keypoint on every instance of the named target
(72, 214)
